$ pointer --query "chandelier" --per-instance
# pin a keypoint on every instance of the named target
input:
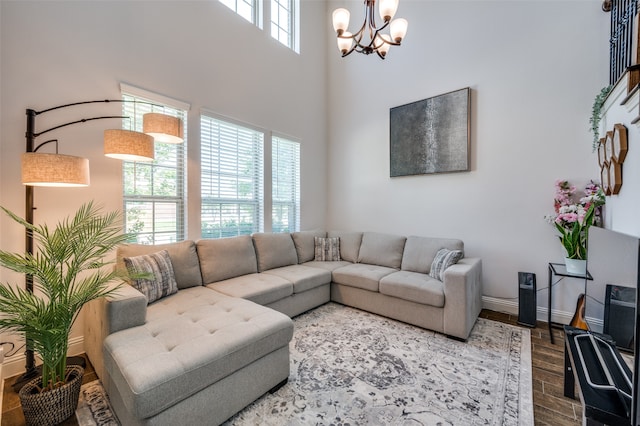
(377, 41)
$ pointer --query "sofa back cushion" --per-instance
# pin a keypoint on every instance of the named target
(381, 249)
(224, 258)
(274, 250)
(419, 252)
(304, 242)
(349, 244)
(184, 260)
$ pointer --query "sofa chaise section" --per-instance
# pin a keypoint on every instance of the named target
(190, 342)
(196, 354)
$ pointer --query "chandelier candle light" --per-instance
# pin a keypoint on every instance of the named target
(378, 42)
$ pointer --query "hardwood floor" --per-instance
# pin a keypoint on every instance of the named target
(550, 406)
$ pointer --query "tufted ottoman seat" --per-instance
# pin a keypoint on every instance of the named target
(197, 347)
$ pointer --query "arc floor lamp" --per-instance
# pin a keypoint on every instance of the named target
(47, 169)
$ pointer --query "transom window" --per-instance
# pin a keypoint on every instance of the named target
(248, 9)
(281, 16)
(282, 22)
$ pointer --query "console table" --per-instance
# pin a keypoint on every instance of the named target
(604, 379)
(559, 270)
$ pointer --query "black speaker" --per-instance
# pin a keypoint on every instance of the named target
(620, 315)
(527, 303)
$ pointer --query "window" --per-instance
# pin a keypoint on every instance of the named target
(282, 16)
(286, 185)
(231, 159)
(154, 192)
(282, 22)
(248, 9)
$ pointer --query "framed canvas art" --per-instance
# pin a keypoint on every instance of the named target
(431, 135)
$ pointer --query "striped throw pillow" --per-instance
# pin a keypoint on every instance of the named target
(444, 258)
(327, 249)
(160, 280)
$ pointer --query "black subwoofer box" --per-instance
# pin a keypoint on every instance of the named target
(527, 303)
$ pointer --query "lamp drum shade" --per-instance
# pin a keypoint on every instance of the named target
(163, 128)
(128, 145)
(54, 170)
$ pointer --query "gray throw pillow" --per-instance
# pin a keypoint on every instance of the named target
(327, 249)
(160, 281)
(444, 258)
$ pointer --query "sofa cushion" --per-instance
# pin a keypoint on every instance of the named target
(184, 260)
(444, 258)
(415, 287)
(160, 280)
(329, 266)
(303, 277)
(274, 250)
(225, 258)
(361, 275)
(349, 244)
(191, 340)
(305, 245)
(419, 252)
(259, 288)
(327, 249)
(381, 249)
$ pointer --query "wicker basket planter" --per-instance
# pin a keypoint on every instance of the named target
(51, 407)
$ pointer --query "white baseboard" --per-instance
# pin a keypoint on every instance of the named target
(14, 366)
(561, 317)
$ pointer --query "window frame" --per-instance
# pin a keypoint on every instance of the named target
(256, 6)
(259, 201)
(293, 6)
(161, 104)
(294, 202)
(265, 14)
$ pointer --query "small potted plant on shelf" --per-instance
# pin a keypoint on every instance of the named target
(67, 270)
(573, 218)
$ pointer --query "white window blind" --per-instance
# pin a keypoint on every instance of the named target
(154, 192)
(283, 21)
(231, 179)
(285, 185)
(248, 9)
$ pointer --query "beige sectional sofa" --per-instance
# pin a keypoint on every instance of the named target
(221, 341)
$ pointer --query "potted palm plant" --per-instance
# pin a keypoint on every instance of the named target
(67, 270)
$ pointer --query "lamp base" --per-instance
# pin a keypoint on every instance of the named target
(32, 373)
(26, 377)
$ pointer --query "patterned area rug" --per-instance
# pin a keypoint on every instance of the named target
(349, 367)
(93, 406)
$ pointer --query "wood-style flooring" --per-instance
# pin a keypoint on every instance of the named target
(550, 406)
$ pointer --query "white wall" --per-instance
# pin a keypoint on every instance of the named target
(622, 209)
(534, 68)
(200, 52)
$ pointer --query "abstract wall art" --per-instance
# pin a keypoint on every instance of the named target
(431, 135)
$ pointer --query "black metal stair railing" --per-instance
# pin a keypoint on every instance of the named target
(621, 42)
